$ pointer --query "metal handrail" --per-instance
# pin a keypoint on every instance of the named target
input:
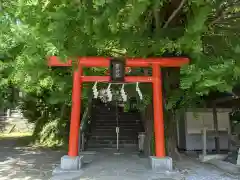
(85, 123)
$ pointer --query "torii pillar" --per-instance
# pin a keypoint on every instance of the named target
(73, 161)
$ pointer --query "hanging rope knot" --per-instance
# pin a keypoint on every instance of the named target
(123, 93)
(139, 91)
(109, 93)
(95, 90)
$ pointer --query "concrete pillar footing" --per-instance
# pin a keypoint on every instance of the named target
(161, 164)
(71, 163)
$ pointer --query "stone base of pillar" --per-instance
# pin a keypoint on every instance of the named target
(161, 164)
(71, 163)
(70, 168)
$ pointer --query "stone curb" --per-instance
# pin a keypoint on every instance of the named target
(225, 166)
(61, 174)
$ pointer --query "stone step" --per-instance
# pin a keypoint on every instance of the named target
(113, 132)
(136, 121)
(111, 113)
(107, 131)
(124, 123)
(103, 127)
(16, 119)
(127, 126)
(129, 134)
(114, 136)
(111, 146)
(92, 142)
(113, 129)
(122, 118)
(100, 120)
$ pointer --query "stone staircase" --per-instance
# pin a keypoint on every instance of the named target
(14, 121)
(103, 128)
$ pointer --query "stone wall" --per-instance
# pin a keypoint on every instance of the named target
(190, 129)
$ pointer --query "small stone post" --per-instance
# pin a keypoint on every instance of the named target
(204, 138)
(238, 157)
(8, 113)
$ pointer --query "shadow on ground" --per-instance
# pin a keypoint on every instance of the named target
(3, 123)
(18, 161)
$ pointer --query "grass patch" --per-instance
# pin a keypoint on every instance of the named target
(27, 139)
(21, 139)
(15, 135)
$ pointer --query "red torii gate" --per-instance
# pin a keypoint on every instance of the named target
(155, 79)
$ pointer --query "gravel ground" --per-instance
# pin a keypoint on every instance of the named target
(25, 163)
(18, 162)
(195, 170)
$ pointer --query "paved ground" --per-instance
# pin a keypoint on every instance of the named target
(110, 166)
(18, 162)
(126, 166)
(25, 163)
(194, 170)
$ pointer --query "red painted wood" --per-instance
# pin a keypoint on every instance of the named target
(158, 112)
(75, 114)
(130, 62)
(54, 61)
(128, 79)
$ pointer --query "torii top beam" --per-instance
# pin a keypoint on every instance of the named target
(130, 62)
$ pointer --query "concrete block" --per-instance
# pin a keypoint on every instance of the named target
(71, 163)
(71, 175)
(204, 158)
(161, 164)
(58, 171)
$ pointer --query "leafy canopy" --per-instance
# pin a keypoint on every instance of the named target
(206, 30)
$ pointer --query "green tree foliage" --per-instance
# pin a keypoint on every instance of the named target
(207, 31)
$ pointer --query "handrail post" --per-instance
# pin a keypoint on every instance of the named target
(83, 141)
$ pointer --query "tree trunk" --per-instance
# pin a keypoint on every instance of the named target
(215, 121)
(170, 82)
(149, 130)
(171, 136)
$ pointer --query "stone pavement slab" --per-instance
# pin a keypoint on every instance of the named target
(26, 163)
(195, 170)
(122, 166)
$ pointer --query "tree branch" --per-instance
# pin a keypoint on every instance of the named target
(217, 19)
(222, 11)
(174, 13)
(224, 20)
(156, 17)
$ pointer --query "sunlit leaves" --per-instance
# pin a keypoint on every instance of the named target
(34, 29)
(136, 10)
(47, 82)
